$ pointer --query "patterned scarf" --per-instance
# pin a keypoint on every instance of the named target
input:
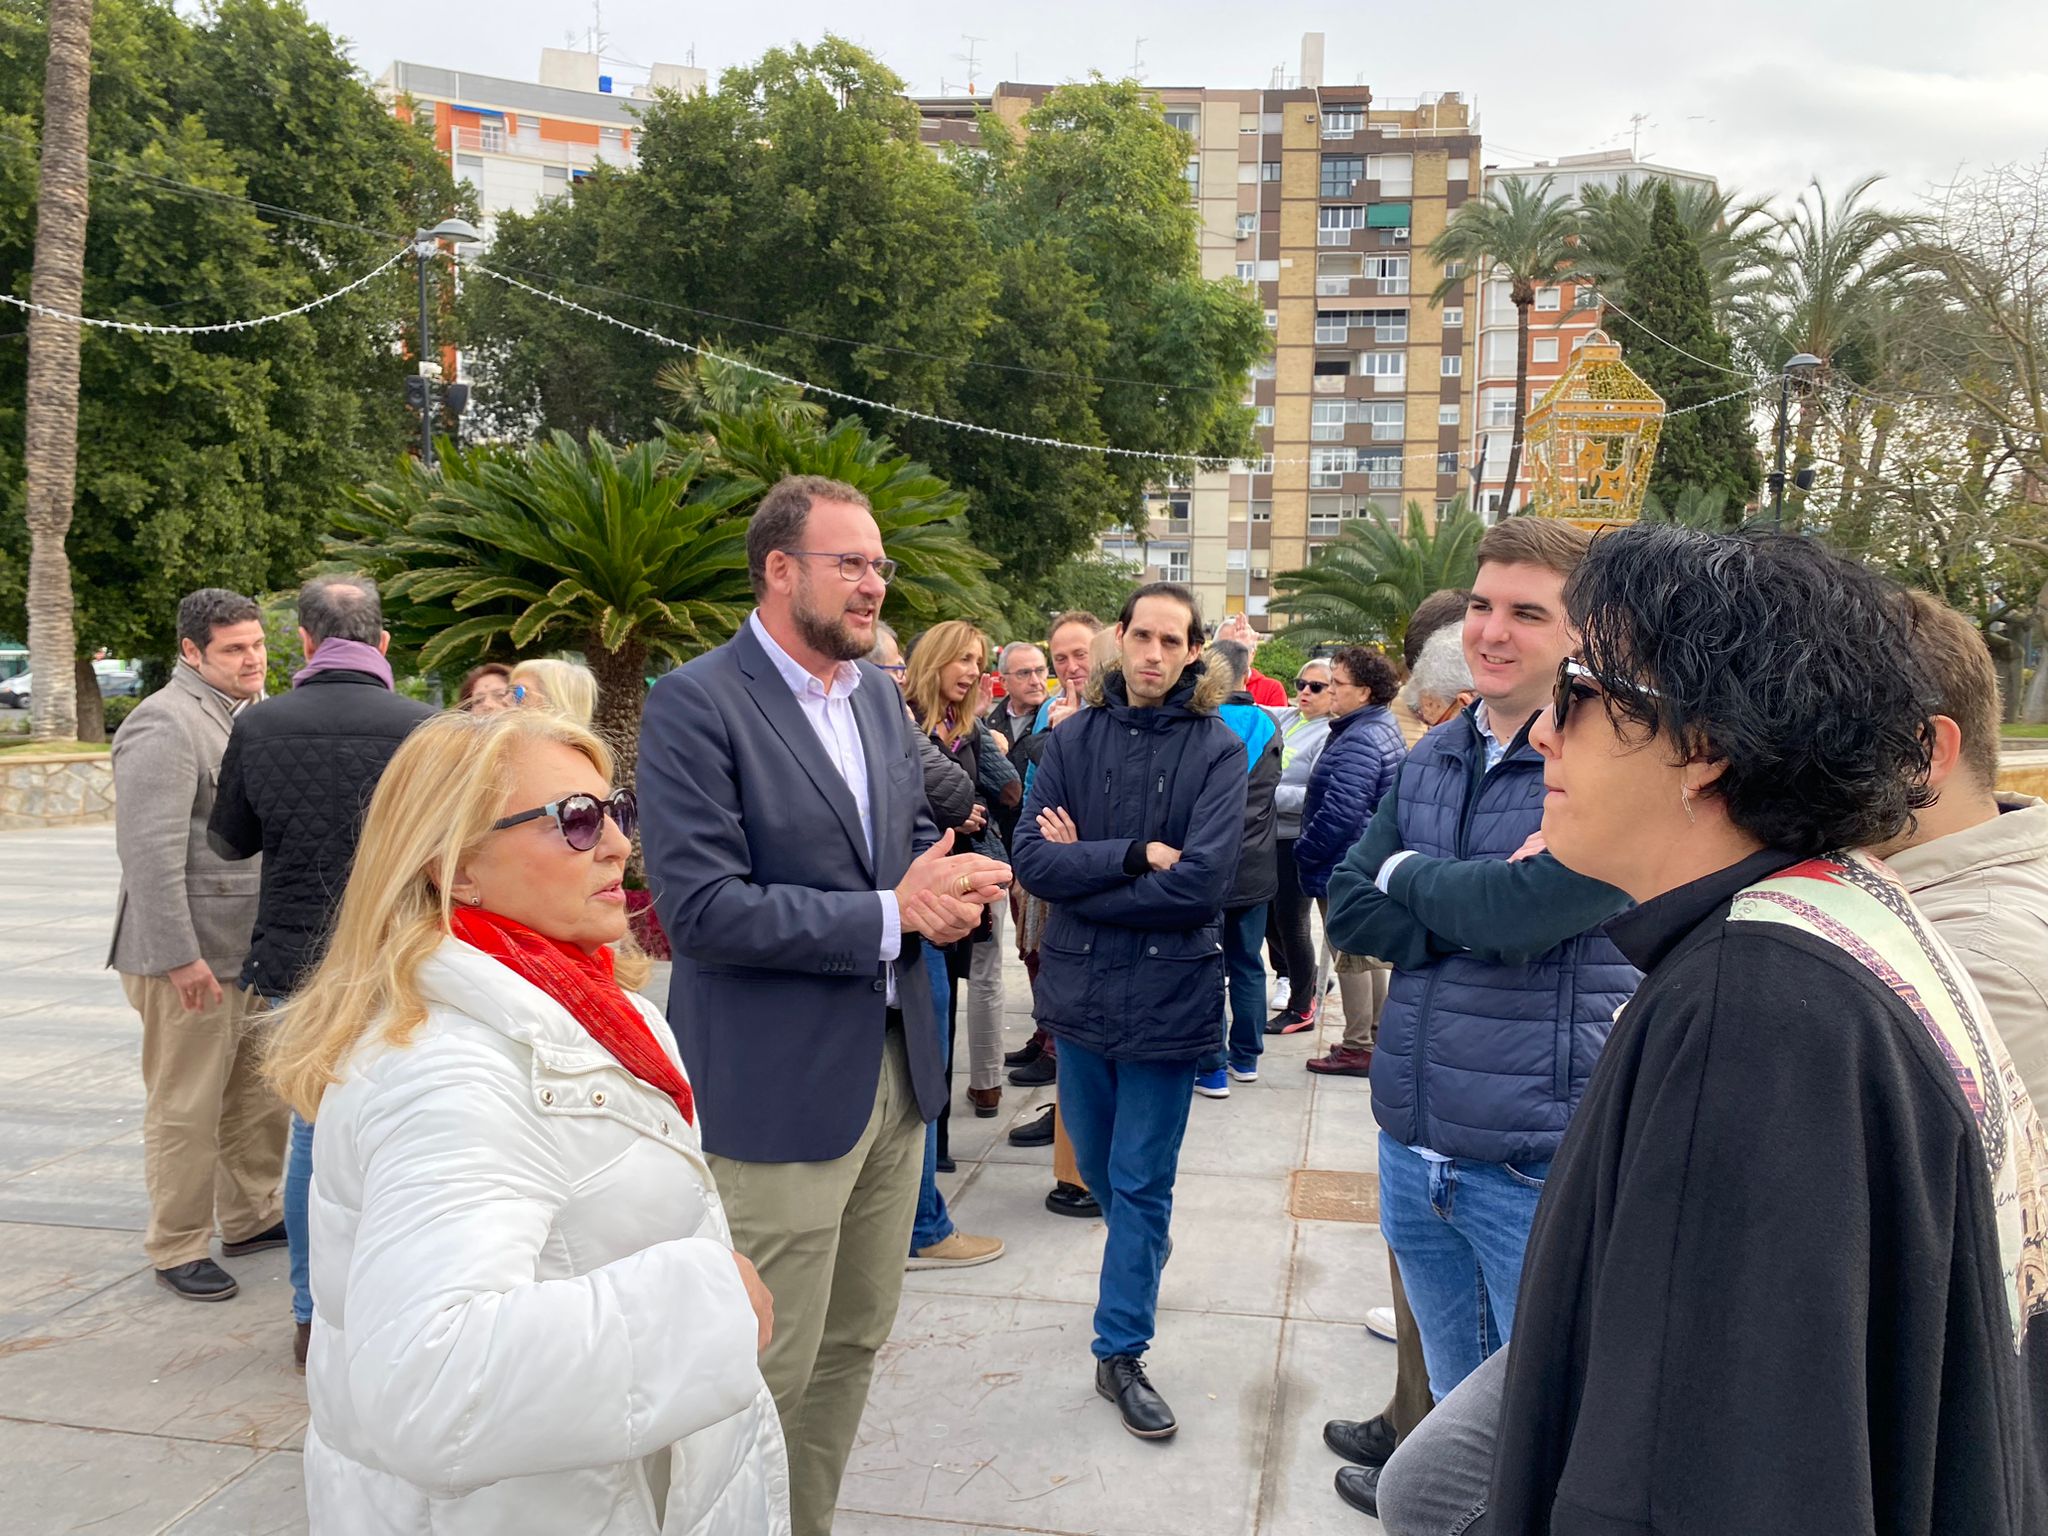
(582, 983)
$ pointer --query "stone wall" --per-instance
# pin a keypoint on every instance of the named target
(58, 790)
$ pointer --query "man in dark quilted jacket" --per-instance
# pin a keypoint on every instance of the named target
(1505, 983)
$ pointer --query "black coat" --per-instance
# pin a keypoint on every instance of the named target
(296, 780)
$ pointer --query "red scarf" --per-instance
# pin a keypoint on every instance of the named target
(582, 983)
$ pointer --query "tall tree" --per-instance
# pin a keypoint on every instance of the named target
(1523, 234)
(51, 460)
(1668, 336)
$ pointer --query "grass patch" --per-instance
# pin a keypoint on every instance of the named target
(42, 748)
(2023, 732)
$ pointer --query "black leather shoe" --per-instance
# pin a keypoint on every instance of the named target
(1072, 1200)
(945, 1164)
(1360, 1488)
(201, 1280)
(1037, 1133)
(1121, 1379)
(271, 1238)
(1369, 1442)
(1036, 1074)
(1025, 1054)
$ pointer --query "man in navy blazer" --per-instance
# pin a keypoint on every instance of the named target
(797, 871)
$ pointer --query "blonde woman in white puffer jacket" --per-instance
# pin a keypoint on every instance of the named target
(528, 1317)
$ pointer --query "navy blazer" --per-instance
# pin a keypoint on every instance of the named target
(764, 883)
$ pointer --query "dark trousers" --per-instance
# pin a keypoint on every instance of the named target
(1412, 1400)
(1291, 910)
(1241, 1038)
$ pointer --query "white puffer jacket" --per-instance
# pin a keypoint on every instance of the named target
(526, 1317)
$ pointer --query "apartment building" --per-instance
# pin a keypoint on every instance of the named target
(519, 142)
(1558, 322)
(1324, 200)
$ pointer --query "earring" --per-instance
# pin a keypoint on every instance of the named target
(477, 901)
(1685, 800)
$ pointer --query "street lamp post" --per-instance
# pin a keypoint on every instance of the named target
(1801, 366)
(426, 245)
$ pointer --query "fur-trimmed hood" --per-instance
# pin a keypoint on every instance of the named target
(1211, 686)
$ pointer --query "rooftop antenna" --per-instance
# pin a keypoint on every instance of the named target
(1635, 137)
(969, 59)
(1138, 59)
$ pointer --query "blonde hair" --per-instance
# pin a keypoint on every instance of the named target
(434, 804)
(569, 687)
(936, 649)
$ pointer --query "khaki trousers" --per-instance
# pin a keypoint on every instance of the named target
(1363, 992)
(830, 1239)
(213, 1131)
(1412, 1398)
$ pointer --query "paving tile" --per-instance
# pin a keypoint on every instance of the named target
(1342, 1133)
(100, 1186)
(50, 951)
(139, 1359)
(46, 1053)
(1255, 1133)
(984, 1412)
(65, 1479)
(1340, 1271)
(267, 1500)
(1326, 1372)
(51, 1268)
(23, 992)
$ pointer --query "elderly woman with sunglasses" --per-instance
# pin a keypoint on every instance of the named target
(1790, 1269)
(528, 1315)
(1304, 731)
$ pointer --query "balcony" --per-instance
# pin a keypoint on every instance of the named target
(494, 140)
(1329, 383)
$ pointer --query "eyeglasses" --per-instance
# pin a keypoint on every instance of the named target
(581, 817)
(491, 696)
(1025, 674)
(852, 567)
(1570, 690)
(1309, 685)
(894, 668)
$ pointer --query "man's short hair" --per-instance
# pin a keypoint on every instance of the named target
(779, 522)
(1073, 616)
(1790, 666)
(1234, 657)
(1440, 608)
(1957, 663)
(1370, 670)
(885, 640)
(1546, 541)
(1003, 656)
(201, 613)
(1179, 594)
(1440, 670)
(341, 608)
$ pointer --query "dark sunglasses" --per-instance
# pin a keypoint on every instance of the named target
(1571, 688)
(581, 817)
(1310, 684)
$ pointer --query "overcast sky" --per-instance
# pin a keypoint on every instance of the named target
(1764, 94)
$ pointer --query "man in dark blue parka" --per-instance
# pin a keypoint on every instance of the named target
(1132, 833)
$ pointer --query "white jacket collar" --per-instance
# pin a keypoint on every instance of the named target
(467, 981)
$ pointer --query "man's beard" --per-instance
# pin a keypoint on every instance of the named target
(827, 636)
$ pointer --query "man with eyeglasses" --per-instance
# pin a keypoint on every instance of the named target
(1022, 667)
(797, 872)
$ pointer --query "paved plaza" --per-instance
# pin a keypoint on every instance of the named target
(125, 1410)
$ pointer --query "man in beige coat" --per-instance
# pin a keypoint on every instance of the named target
(213, 1132)
(1976, 860)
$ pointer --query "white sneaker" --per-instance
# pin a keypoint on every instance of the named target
(1379, 1322)
(1281, 991)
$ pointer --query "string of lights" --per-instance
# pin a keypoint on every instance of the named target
(157, 328)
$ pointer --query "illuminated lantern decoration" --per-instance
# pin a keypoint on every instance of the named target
(1592, 438)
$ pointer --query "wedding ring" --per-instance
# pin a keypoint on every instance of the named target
(966, 884)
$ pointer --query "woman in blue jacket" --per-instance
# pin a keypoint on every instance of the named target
(1357, 766)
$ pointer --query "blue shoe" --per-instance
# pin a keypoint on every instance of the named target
(1212, 1085)
(1245, 1071)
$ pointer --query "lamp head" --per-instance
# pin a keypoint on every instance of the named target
(458, 231)
(1802, 366)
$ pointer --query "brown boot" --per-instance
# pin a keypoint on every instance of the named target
(986, 1102)
(1344, 1061)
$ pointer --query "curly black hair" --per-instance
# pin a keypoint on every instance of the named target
(1370, 670)
(1790, 665)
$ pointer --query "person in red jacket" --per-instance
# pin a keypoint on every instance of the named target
(1266, 691)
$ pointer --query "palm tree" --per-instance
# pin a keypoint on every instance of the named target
(1733, 238)
(628, 554)
(1526, 235)
(1362, 586)
(50, 450)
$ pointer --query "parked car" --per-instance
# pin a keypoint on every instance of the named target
(118, 680)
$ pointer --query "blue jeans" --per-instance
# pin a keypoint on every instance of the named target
(1126, 1119)
(933, 1225)
(1244, 934)
(298, 1184)
(1458, 1230)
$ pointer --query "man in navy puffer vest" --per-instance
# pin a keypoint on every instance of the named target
(1505, 983)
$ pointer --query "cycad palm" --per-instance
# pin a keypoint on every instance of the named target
(624, 553)
(1363, 586)
(1530, 236)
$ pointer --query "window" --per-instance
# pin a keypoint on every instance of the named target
(611, 138)
(1263, 416)
(1248, 124)
(1458, 168)
(1333, 329)
(1247, 271)
(1247, 225)
(1335, 222)
(1332, 287)
(1588, 297)
(1263, 465)
(1389, 419)
(1542, 349)
(554, 181)
(1272, 319)
(1447, 463)
(1548, 298)
(1262, 511)
(1234, 559)
(1454, 315)
(1388, 325)
(1263, 369)
(1270, 122)
(1397, 235)
(1269, 170)
(1341, 174)
(1193, 174)
(1451, 365)
(1389, 272)
(1394, 173)
(1327, 468)
(1269, 271)
(1247, 172)
(1186, 119)
(1327, 419)
(526, 135)
(1382, 468)
(491, 135)
(1499, 406)
(1383, 365)
(1325, 516)
(1180, 506)
(1447, 415)
(1497, 353)
(1342, 121)
(470, 166)
(1179, 565)
(1453, 270)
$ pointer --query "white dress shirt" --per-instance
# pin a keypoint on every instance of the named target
(830, 712)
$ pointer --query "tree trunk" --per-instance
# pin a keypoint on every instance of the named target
(50, 457)
(1507, 498)
(621, 695)
(92, 706)
(2035, 710)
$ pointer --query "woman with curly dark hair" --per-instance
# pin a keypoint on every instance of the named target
(1790, 1269)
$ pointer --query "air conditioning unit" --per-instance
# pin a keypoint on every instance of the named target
(1258, 573)
(1401, 235)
